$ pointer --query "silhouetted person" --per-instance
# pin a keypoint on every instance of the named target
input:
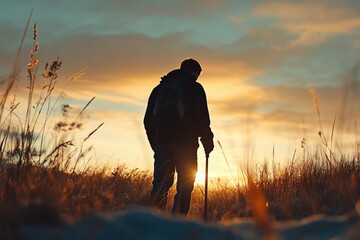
(176, 117)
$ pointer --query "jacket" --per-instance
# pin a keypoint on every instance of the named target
(197, 122)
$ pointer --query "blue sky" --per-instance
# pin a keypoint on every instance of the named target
(259, 57)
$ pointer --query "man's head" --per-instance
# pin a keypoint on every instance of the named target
(192, 66)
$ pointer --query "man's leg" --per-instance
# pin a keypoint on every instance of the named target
(186, 168)
(164, 170)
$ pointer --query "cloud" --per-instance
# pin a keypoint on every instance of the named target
(286, 110)
(125, 57)
(313, 22)
(129, 66)
(260, 49)
(123, 69)
(356, 44)
(183, 9)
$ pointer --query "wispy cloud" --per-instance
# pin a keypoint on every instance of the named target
(313, 22)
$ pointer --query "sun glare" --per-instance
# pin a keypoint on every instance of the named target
(200, 178)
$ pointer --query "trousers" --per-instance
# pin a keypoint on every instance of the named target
(167, 160)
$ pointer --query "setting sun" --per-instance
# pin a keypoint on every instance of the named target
(200, 178)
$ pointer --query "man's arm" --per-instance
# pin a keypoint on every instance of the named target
(205, 133)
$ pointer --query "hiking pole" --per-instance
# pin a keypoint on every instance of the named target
(206, 186)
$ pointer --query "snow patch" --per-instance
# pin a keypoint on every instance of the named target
(143, 224)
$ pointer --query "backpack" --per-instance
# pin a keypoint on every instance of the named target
(170, 103)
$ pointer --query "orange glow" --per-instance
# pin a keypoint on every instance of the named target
(200, 178)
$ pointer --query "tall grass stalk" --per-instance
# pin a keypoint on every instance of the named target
(321, 133)
(35, 153)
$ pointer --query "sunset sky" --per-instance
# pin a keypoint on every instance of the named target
(259, 59)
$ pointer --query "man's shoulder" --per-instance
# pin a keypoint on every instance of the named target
(155, 90)
(179, 75)
(174, 74)
(198, 86)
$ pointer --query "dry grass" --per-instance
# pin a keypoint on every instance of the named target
(311, 187)
(293, 192)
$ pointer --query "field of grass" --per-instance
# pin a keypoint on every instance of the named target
(37, 166)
